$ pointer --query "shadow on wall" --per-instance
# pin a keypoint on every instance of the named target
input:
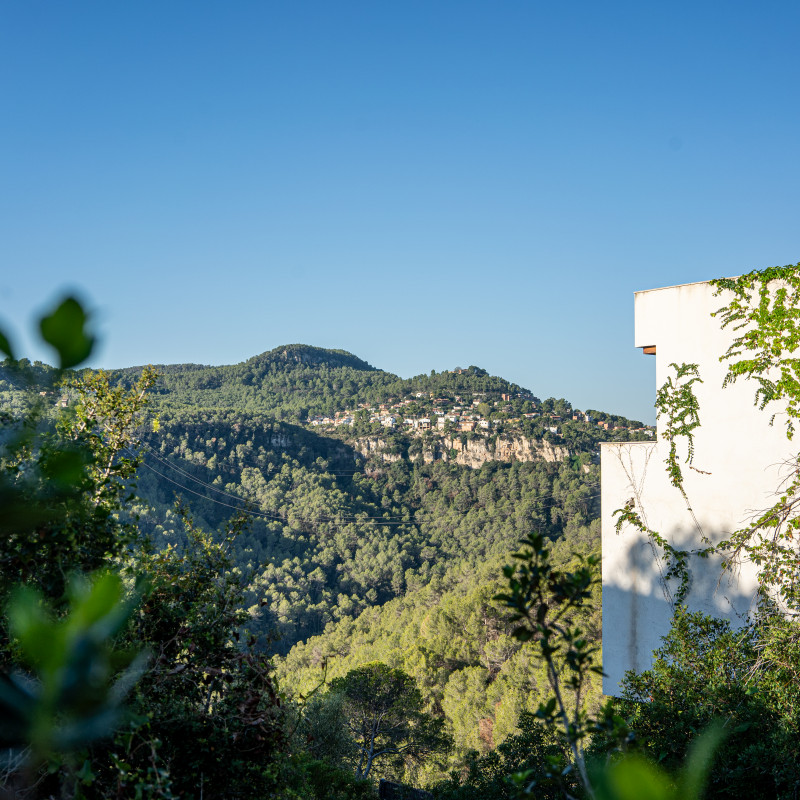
(638, 601)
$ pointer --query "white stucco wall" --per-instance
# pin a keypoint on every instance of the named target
(742, 455)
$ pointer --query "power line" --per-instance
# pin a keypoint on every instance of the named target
(207, 485)
(240, 499)
(247, 508)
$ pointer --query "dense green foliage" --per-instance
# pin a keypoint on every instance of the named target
(457, 645)
(65, 478)
(485, 775)
(298, 543)
(543, 600)
(382, 710)
(331, 533)
(331, 538)
(707, 671)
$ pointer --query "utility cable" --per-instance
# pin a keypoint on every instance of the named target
(248, 508)
(347, 518)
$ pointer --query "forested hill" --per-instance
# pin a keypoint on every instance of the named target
(295, 382)
(370, 501)
(313, 356)
(300, 383)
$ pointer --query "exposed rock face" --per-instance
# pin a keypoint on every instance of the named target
(471, 452)
(280, 441)
(370, 445)
(476, 452)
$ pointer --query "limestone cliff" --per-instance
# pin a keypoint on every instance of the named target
(469, 452)
(376, 445)
(511, 447)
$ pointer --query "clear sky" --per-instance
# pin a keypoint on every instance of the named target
(423, 183)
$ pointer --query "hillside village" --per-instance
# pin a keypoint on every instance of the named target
(480, 412)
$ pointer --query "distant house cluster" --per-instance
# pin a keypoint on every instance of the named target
(460, 415)
(456, 415)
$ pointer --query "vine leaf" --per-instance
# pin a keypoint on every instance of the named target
(65, 330)
(765, 308)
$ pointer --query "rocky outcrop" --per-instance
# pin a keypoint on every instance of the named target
(477, 451)
(281, 441)
(471, 451)
(375, 445)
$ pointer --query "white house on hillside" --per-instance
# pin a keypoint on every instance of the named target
(739, 461)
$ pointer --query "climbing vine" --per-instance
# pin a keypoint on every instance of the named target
(679, 415)
(766, 309)
(677, 560)
(677, 405)
(772, 541)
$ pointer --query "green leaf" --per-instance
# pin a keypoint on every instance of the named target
(41, 639)
(5, 346)
(64, 329)
(635, 778)
(65, 468)
(99, 601)
(698, 762)
(85, 774)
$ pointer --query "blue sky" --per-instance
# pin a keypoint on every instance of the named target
(425, 184)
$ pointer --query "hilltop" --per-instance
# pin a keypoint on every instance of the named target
(290, 354)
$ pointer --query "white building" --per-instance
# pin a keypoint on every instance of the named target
(739, 461)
